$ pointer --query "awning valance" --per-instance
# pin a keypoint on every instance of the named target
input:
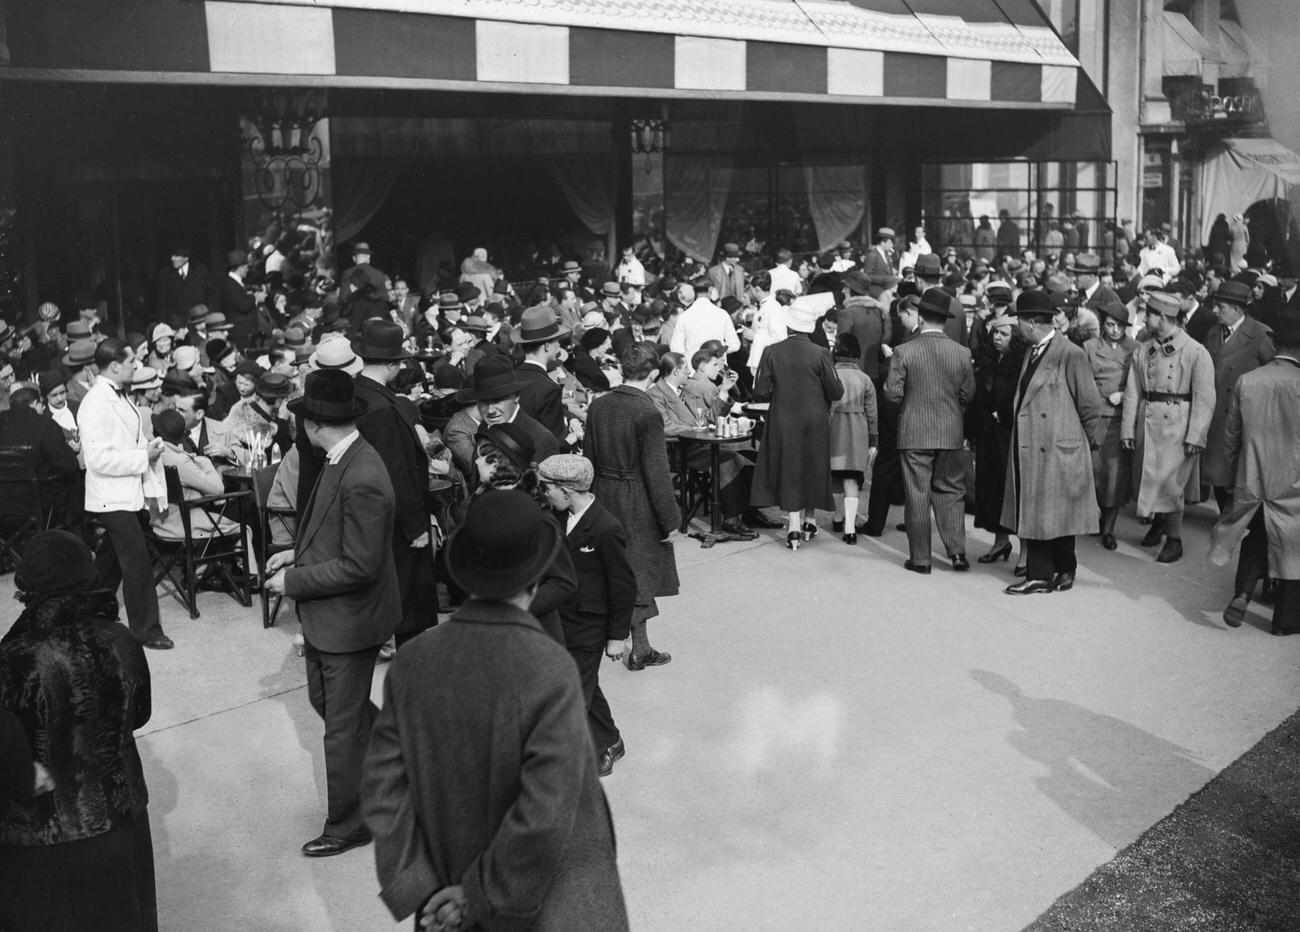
(1000, 53)
(1242, 172)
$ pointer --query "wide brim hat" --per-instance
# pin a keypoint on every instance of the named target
(475, 323)
(855, 281)
(936, 302)
(81, 353)
(611, 290)
(329, 396)
(928, 266)
(145, 378)
(197, 313)
(731, 250)
(449, 301)
(1115, 309)
(570, 266)
(494, 379)
(503, 546)
(360, 248)
(76, 330)
(513, 442)
(235, 258)
(1237, 293)
(336, 354)
(884, 233)
(381, 341)
(1032, 303)
(1087, 262)
(804, 312)
(216, 322)
(539, 325)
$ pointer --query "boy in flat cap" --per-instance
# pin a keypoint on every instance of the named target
(598, 616)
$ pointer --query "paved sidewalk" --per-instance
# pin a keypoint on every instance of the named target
(837, 742)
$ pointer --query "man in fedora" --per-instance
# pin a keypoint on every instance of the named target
(480, 784)
(80, 363)
(393, 436)
(496, 390)
(933, 380)
(377, 280)
(879, 264)
(231, 298)
(929, 274)
(1049, 493)
(1239, 344)
(1087, 275)
(181, 285)
(539, 334)
(341, 577)
(728, 276)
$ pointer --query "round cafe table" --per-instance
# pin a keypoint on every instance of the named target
(715, 444)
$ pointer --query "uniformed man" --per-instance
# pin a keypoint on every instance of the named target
(1168, 404)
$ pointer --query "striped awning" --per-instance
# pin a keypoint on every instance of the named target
(999, 53)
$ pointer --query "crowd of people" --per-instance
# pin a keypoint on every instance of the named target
(505, 447)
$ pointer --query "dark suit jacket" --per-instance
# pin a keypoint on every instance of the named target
(867, 324)
(480, 772)
(177, 295)
(398, 445)
(343, 579)
(601, 608)
(23, 427)
(544, 442)
(933, 379)
(880, 275)
(541, 398)
(232, 299)
(1251, 346)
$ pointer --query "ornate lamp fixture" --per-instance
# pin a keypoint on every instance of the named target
(649, 137)
(285, 150)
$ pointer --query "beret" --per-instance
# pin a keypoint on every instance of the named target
(567, 469)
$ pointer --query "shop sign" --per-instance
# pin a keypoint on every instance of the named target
(1153, 170)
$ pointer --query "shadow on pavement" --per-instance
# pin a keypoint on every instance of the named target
(1107, 775)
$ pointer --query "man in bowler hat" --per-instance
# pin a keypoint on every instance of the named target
(393, 436)
(480, 784)
(933, 380)
(340, 575)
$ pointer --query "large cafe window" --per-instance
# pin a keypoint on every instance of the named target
(989, 209)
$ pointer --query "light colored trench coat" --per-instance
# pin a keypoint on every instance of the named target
(1162, 470)
(1057, 422)
(1262, 436)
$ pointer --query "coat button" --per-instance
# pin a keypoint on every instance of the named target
(1042, 449)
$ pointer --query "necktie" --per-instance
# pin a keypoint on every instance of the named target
(1227, 332)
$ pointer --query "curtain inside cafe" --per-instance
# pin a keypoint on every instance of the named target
(695, 196)
(588, 186)
(837, 200)
(360, 188)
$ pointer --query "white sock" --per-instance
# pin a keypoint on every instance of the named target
(796, 521)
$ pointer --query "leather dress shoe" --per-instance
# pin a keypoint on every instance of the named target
(1063, 582)
(755, 518)
(1235, 613)
(1153, 534)
(837, 526)
(960, 563)
(922, 568)
(161, 642)
(1171, 552)
(609, 757)
(326, 846)
(869, 532)
(736, 528)
(655, 658)
(1108, 541)
(1030, 587)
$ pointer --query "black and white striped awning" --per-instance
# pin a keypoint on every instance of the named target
(990, 53)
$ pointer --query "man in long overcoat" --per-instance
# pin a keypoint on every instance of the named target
(1049, 496)
(1168, 404)
(1261, 437)
(625, 443)
(398, 445)
(1239, 344)
(480, 783)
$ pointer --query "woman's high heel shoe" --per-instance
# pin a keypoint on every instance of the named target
(809, 530)
(793, 539)
(996, 554)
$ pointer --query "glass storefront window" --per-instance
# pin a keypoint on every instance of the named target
(987, 210)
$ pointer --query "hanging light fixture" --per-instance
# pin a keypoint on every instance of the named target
(281, 141)
(650, 136)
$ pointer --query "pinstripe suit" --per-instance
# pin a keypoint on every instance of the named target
(933, 380)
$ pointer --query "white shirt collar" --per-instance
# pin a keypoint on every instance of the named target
(335, 453)
(575, 517)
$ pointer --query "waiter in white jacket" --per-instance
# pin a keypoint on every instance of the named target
(123, 471)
